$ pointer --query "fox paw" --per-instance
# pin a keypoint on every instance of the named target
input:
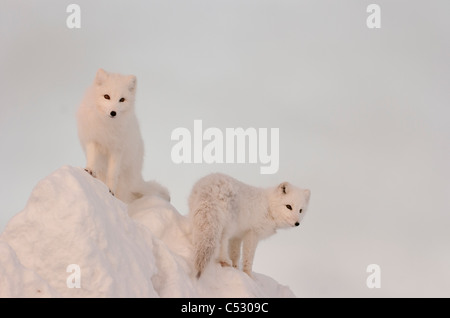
(248, 271)
(90, 172)
(225, 263)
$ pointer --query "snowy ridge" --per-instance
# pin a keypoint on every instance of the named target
(143, 250)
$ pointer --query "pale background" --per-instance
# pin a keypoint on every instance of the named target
(363, 116)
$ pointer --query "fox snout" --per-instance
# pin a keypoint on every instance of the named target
(297, 223)
(112, 114)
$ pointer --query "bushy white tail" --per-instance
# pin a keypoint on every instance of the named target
(206, 231)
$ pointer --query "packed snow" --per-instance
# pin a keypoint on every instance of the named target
(140, 250)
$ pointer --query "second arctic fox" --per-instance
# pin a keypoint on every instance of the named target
(226, 212)
(109, 133)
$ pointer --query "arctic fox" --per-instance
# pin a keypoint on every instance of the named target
(109, 133)
(226, 212)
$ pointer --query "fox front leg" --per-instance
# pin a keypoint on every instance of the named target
(114, 162)
(91, 159)
(249, 244)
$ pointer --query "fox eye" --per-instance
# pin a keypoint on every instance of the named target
(122, 100)
(289, 207)
(106, 96)
(301, 210)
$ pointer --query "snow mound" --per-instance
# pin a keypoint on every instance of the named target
(140, 250)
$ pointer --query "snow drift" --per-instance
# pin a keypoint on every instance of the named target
(140, 250)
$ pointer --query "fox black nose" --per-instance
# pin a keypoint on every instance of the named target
(113, 114)
(297, 223)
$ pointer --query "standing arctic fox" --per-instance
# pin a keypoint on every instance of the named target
(109, 133)
(226, 212)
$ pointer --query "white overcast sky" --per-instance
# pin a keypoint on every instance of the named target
(363, 117)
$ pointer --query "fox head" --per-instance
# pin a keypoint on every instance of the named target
(288, 205)
(114, 93)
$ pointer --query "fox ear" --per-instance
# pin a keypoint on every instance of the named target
(131, 83)
(307, 193)
(100, 76)
(284, 187)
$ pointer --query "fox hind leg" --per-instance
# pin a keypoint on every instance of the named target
(235, 251)
(224, 259)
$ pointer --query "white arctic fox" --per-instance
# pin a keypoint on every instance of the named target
(109, 133)
(226, 212)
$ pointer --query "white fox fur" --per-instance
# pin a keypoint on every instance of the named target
(226, 212)
(109, 133)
